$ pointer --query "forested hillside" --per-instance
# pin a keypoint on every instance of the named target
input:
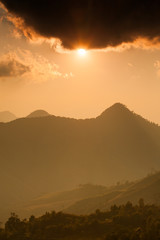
(124, 222)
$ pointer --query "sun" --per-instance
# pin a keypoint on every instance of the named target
(81, 52)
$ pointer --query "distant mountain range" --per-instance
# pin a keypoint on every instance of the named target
(7, 116)
(48, 154)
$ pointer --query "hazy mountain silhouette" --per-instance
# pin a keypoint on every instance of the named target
(7, 116)
(61, 200)
(47, 154)
(88, 198)
(38, 113)
(147, 189)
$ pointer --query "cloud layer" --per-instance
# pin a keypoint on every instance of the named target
(12, 68)
(23, 65)
(89, 23)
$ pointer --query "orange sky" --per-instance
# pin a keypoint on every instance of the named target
(67, 84)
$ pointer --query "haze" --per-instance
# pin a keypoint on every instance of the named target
(79, 119)
(67, 84)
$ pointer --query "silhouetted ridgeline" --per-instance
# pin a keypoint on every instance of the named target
(7, 116)
(124, 222)
(41, 155)
(38, 113)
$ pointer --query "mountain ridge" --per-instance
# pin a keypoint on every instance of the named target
(86, 199)
(49, 154)
(146, 188)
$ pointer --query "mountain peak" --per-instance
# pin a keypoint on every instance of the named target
(117, 108)
(119, 104)
(7, 116)
(38, 113)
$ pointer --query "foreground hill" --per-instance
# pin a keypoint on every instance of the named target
(7, 116)
(124, 222)
(49, 154)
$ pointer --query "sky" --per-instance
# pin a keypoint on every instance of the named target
(41, 68)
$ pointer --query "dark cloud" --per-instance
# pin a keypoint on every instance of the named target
(12, 68)
(96, 23)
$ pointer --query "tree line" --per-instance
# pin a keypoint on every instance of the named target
(124, 222)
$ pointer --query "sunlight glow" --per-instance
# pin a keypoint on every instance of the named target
(81, 52)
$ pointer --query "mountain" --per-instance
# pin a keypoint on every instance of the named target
(38, 113)
(86, 199)
(50, 154)
(147, 189)
(61, 200)
(7, 116)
